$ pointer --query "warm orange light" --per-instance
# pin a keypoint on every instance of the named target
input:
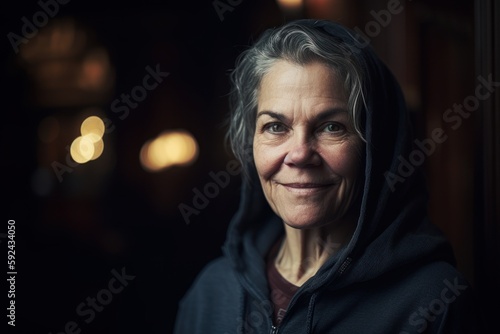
(98, 149)
(93, 125)
(82, 149)
(290, 5)
(94, 70)
(168, 149)
(90, 145)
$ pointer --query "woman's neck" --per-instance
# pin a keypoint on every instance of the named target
(303, 252)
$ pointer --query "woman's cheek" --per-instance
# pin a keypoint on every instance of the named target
(344, 159)
(268, 157)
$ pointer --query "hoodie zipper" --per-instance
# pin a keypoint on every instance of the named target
(340, 271)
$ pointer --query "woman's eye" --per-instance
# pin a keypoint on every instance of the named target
(334, 128)
(275, 128)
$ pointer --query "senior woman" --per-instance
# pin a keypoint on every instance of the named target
(328, 238)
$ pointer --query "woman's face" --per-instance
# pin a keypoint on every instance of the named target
(306, 153)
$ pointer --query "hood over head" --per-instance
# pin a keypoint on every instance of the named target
(393, 228)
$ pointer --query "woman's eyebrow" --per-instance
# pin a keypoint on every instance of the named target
(272, 114)
(318, 118)
(329, 113)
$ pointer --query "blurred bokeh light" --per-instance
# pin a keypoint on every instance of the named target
(90, 145)
(93, 126)
(291, 5)
(170, 148)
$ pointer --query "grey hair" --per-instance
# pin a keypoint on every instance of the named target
(298, 44)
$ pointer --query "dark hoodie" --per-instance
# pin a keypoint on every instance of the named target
(396, 275)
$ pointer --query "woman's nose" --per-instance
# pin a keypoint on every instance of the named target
(302, 153)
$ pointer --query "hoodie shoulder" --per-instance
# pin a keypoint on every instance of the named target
(431, 298)
(443, 301)
(212, 301)
(216, 279)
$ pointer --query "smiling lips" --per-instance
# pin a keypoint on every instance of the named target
(306, 188)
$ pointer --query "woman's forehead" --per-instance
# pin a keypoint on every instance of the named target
(289, 84)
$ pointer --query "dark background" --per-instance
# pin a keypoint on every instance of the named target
(112, 214)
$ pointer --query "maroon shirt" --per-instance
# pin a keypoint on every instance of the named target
(282, 291)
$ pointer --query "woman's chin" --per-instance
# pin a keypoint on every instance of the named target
(312, 217)
(308, 222)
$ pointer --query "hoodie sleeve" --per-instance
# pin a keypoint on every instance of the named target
(463, 315)
(212, 303)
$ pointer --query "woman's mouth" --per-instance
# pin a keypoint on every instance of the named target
(306, 188)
